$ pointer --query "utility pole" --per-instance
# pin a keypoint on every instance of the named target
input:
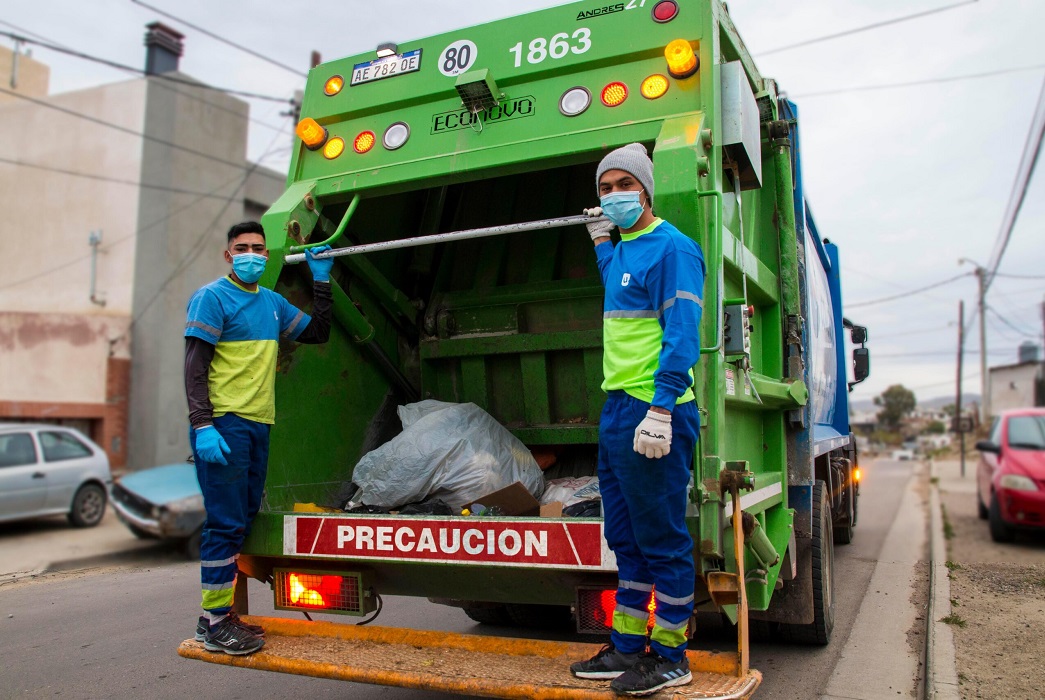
(985, 377)
(959, 426)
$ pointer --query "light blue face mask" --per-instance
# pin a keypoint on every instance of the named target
(249, 266)
(622, 208)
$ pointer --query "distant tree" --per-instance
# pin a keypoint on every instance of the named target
(896, 402)
(936, 428)
(948, 410)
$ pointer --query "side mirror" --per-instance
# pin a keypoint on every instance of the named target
(988, 446)
(861, 364)
(858, 335)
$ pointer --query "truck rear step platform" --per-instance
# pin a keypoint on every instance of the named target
(496, 667)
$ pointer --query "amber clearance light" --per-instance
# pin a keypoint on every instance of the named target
(333, 85)
(614, 94)
(364, 142)
(682, 61)
(654, 86)
(311, 133)
(334, 148)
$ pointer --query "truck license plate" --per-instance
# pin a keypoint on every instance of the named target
(387, 67)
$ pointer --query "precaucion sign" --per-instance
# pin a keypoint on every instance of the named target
(541, 542)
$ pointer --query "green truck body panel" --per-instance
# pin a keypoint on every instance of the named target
(513, 323)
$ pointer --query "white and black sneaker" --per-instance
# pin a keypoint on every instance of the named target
(202, 625)
(651, 673)
(230, 638)
(608, 663)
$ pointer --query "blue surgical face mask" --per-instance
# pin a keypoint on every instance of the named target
(622, 208)
(249, 266)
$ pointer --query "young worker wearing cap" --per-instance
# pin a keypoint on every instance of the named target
(231, 341)
(654, 281)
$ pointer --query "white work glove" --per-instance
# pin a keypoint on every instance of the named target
(653, 435)
(598, 229)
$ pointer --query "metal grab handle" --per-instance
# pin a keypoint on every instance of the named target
(338, 232)
(542, 224)
(716, 256)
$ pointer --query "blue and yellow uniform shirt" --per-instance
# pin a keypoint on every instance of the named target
(245, 328)
(654, 300)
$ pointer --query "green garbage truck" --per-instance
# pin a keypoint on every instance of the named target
(449, 175)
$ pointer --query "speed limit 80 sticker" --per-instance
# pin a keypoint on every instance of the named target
(457, 57)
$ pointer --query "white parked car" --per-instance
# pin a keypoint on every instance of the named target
(49, 469)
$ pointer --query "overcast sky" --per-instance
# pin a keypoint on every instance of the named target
(905, 180)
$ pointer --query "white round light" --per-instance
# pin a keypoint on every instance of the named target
(396, 135)
(574, 101)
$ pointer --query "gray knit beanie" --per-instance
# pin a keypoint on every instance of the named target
(632, 159)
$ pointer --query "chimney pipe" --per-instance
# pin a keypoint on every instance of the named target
(163, 48)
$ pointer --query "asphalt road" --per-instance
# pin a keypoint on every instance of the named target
(111, 632)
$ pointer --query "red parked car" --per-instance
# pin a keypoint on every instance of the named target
(1010, 478)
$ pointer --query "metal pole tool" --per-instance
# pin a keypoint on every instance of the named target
(452, 236)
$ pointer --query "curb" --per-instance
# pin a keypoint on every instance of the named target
(941, 673)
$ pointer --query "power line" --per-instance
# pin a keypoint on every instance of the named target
(909, 293)
(914, 83)
(36, 276)
(161, 79)
(103, 178)
(1019, 277)
(132, 132)
(222, 39)
(139, 71)
(1028, 161)
(864, 28)
(1022, 331)
(197, 246)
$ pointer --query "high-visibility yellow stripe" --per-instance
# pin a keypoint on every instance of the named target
(217, 599)
(628, 624)
(669, 638)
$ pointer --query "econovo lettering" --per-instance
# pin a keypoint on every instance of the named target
(473, 541)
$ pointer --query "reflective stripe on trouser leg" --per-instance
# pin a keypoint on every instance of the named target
(227, 499)
(644, 502)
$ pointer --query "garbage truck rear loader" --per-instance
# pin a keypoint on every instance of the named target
(480, 130)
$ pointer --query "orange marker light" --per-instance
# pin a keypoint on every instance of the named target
(654, 87)
(682, 61)
(333, 85)
(311, 133)
(857, 474)
(364, 142)
(614, 94)
(334, 148)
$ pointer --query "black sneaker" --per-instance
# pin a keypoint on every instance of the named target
(230, 638)
(202, 625)
(608, 663)
(651, 673)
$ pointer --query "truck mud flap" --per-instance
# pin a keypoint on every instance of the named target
(495, 667)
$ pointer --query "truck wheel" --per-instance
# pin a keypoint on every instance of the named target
(1000, 530)
(545, 617)
(488, 614)
(844, 527)
(88, 506)
(819, 632)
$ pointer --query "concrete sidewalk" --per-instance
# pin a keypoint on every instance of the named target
(31, 547)
(877, 660)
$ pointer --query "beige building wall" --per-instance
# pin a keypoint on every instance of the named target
(49, 215)
(1014, 386)
(23, 75)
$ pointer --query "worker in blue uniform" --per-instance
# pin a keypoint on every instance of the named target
(654, 280)
(232, 332)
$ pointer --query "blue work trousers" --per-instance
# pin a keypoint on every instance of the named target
(644, 510)
(231, 497)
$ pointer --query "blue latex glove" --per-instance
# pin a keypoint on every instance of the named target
(211, 446)
(320, 268)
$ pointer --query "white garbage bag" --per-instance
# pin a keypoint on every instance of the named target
(456, 452)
